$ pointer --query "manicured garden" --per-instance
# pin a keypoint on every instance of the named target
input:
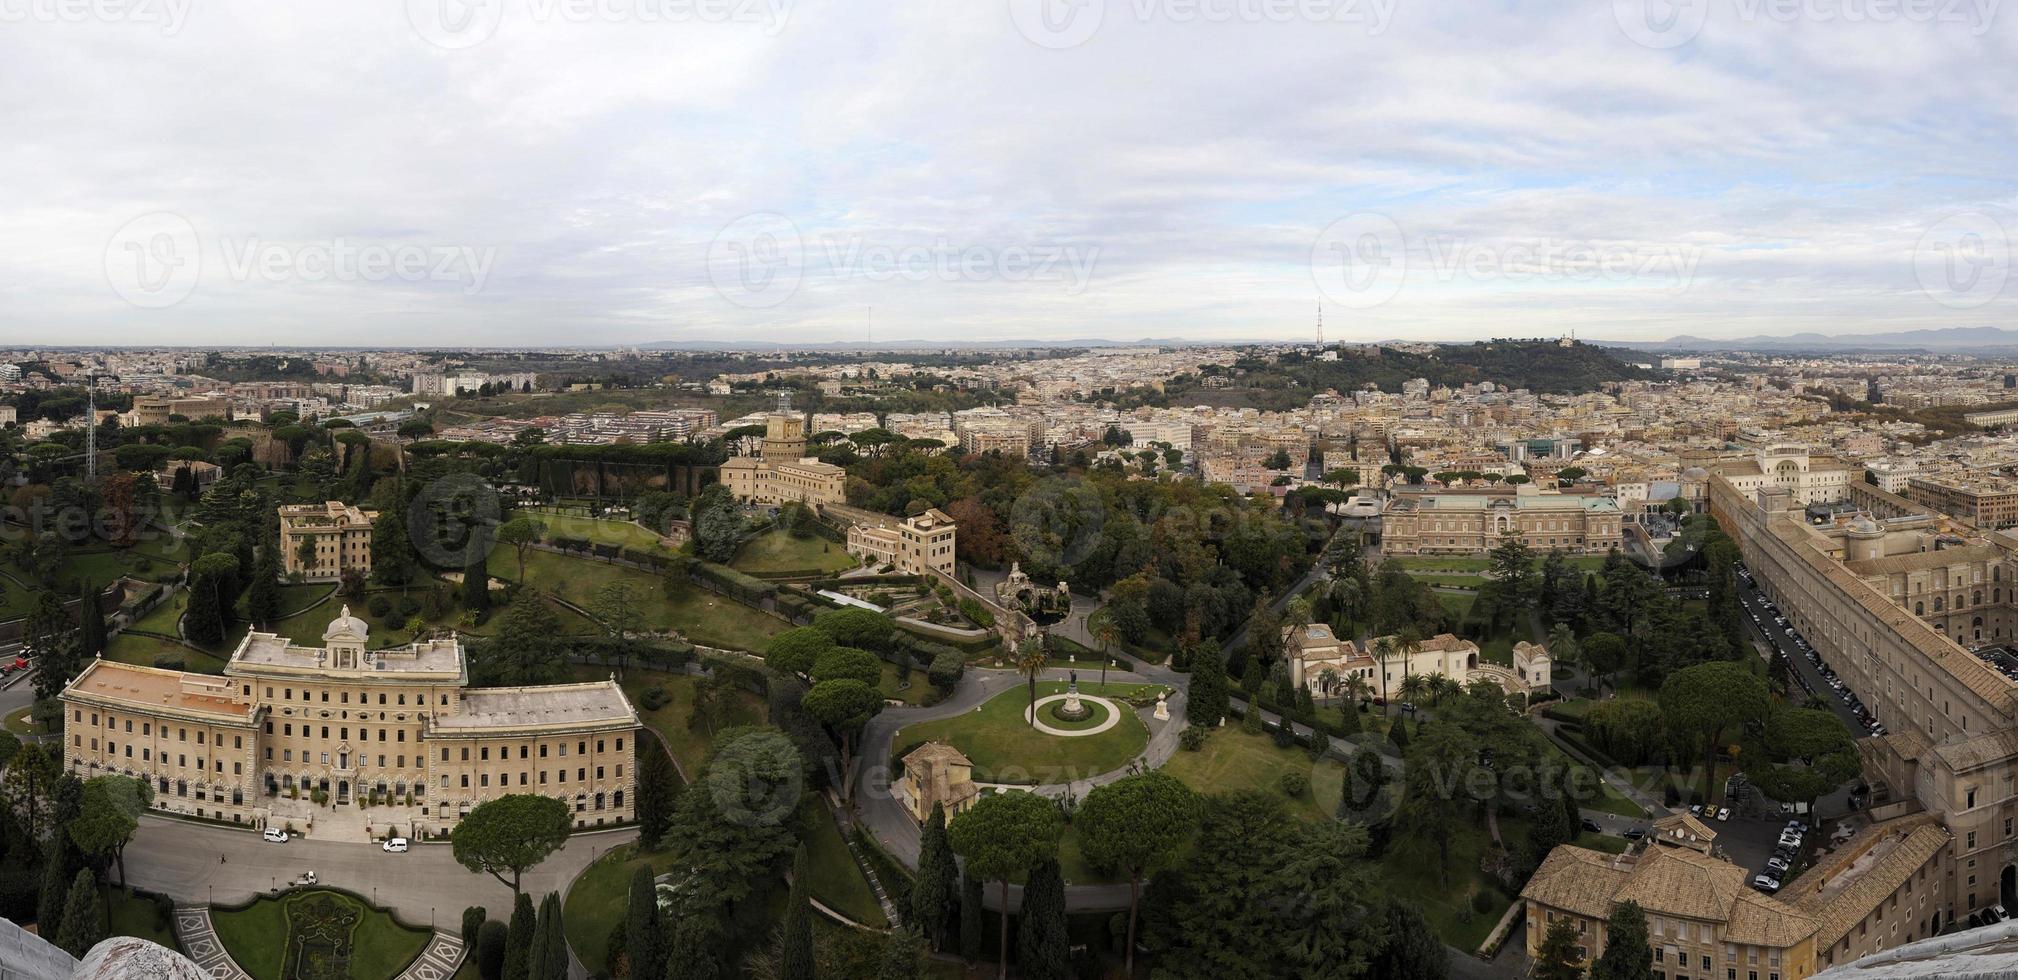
(1006, 749)
(323, 934)
(704, 617)
(778, 551)
(597, 900)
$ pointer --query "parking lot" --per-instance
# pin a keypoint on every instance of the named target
(1809, 674)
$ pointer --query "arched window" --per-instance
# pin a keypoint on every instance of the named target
(1919, 609)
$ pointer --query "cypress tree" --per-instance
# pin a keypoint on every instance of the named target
(56, 874)
(491, 940)
(796, 959)
(555, 961)
(536, 952)
(476, 588)
(973, 924)
(519, 940)
(1627, 954)
(392, 558)
(472, 922)
(644, 935)
(92, 620)
(203, 620)
(1398, 735)
(1206, 700)
(656, 793)
(1043, 951)
(932, 892)
(262, 598)
(83, 916)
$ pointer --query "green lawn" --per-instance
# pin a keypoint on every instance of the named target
(1410, 868)
(1234, 760)
(624, 534)
(913, 694)
(295, 598)
(18, 723)
(131, 916)
(1005, 749)
(379, 947)
(689, 746)
(1612, 801)
(836, 880)
(1455, 563)
(779, 551)
(598, 899)
(704, 617)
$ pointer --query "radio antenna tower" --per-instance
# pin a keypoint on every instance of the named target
(1320, 324)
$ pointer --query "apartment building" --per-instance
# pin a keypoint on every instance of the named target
(1987, 502)
(337, 535)
(782, 472)
(396, 727)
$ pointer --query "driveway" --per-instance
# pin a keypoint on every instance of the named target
(199, 863)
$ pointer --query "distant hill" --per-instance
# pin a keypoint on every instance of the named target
(1291, 380)
(1946, 339)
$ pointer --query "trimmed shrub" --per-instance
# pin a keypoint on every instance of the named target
(1192, 738)
(653, 698)
(1295, 784)
(380, 606)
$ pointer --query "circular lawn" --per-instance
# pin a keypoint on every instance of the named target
(1004, 748)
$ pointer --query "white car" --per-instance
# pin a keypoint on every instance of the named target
(307, 878)
(394, 845)
(1723, 813)
(275, 835)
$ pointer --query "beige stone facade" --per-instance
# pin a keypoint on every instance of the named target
(914, 545)
(1890, 602)
(341, 533)
(1321, 661)
(782, 472)
(1463, 522)
(936, 773)
(383, 727)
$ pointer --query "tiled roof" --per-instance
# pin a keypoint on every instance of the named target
(1671, 881)
(1578, 881)
(1844, 888)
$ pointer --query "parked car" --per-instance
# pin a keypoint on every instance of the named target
(1777, 864)
(307, 878)
(275, 835)
(1695, 809)
(1723, 813)
(1634, 833)
(394, 845)
(1766, 883)
(1592, 826)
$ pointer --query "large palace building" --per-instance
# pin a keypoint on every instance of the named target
(290, 731)
(1473, 522)
(782, 471)
(337, 535)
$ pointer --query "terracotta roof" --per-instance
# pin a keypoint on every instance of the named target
(155, 688)
(1845, 887)
(1687, 824)
(1914, 561)
(1980, 751)
(936, 753)
(1578, 881)
(1760, 921)
(1674, 881)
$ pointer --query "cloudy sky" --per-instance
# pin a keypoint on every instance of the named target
(622, 171)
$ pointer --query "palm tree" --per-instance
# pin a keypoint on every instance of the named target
(1442, 688)
(1030, 660)
(1356, 688)
(1383, 650)
(1347, 594)
(1414, 687)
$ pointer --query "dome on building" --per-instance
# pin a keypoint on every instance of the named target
(1695, 473)
(127, 958)
(346, 627)
(1863, 524)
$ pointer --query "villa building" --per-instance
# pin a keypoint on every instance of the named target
(782, 472)
(914, 545)
(350, 725)
(936, 773)
(1321, 661)
(340, 537)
